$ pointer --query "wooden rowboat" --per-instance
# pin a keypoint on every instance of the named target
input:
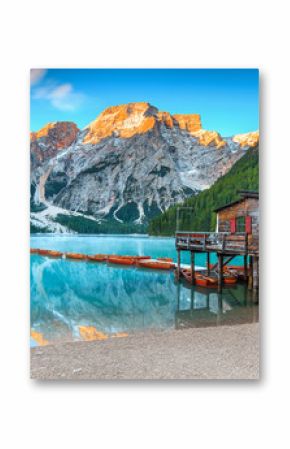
(54, 253)
(46, 252)
(165, 259)
(142, 257)
(76, 256)
(121, 260)
(155, 264)
(200, 279)
(43, 252)
(228, 279)
(114, 256)
(97, 257)
(203, 282)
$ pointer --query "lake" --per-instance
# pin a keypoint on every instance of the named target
(68, 294)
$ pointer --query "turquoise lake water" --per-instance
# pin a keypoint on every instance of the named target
(66, 294)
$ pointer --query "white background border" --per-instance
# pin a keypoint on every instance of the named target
(144, 34)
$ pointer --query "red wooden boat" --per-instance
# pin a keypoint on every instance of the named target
(155, 264)
(76, 256)
(230, 279)
(165, 259)
(44, 252)
(34, 251)
(53, 253)
(200, 279)
(97, 257)
(121, 260)
(128, 257)
(142, 257)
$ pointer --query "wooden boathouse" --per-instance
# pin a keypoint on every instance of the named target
(237, 233)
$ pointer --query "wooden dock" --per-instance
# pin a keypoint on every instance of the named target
(226, 245)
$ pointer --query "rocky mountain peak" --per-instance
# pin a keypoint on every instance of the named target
(250, 139)
(209, 138)
(189, 122)
(61, 133)
(53, 137)
(122, 121)
(136, 118)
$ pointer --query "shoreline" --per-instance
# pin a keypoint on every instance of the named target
(71, 234)
(224, 352)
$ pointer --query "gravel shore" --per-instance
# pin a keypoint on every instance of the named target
(225, 352)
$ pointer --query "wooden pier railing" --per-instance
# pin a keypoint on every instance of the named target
(223, 242)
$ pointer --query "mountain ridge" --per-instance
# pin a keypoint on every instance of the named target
(131, 163)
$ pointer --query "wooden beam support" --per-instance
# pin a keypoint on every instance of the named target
(208, 263)
(250, 274)
(255, 273)
(178, 264)
(220, 272)
(246, 267)
(192, 263)
(225, 262)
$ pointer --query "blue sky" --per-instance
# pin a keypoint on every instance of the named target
(227, 99)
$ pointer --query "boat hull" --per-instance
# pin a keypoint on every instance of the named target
(121, 261)
(76, 256)
(97, 258)
(155, 265)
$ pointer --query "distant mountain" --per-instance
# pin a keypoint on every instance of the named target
(244, 175)
(130, 164)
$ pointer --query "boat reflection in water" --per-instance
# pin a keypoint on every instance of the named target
(75, 300)
(203, 307)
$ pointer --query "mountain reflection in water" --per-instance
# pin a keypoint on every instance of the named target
(70, 299)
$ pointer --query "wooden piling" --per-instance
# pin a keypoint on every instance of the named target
(246, 267)
(192, 263)
(207, 263)
(220, 272)
(178, 265)
(255, 273)
(250, 274)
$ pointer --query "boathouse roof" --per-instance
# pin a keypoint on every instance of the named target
(244, 194)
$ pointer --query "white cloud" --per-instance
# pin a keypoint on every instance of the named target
(36, 75)
(61, 96)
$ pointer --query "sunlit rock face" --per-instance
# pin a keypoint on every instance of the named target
(189, 122)
(209, 138)
(247, 139)
(136, 118)
(122, 121)
(129, 164)
(45, 143)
